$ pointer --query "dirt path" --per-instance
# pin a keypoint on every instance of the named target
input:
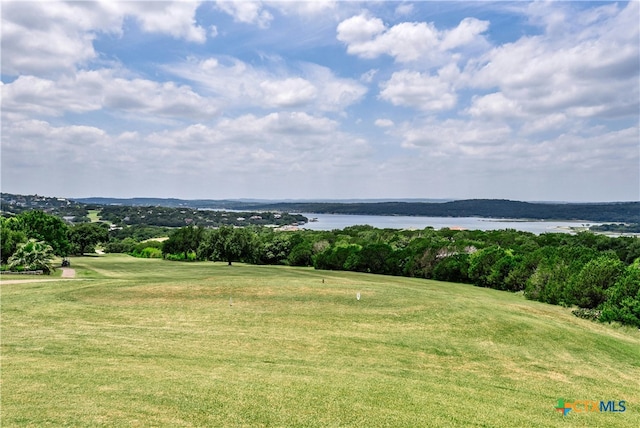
(68, 273)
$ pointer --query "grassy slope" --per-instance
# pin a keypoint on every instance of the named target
(151, 343)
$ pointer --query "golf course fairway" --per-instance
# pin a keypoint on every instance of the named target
(137, 342)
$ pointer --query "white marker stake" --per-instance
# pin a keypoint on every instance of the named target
(230, 301)
(358, 296)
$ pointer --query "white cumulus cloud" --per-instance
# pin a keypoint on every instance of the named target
(369, 37)
(421, 91)
(240, 84)
(103, 89)
(45, 38)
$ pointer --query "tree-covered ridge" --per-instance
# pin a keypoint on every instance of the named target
(11, 204)
(617, 228)
(626, 212)
(490, 208)
(174, 215)
(177, 217)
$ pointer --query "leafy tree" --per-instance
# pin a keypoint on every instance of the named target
(275, 248)
(631, 250)
(84, 237)
(589, 287)
(10, 237)
(151, 249)
(227, 244)
(453, 269)
(184, 240)
(140, 232)
(44, 227)
(485, 269)
(423, 254)
(124, 246)
(520, 272)
(301, 254)
(623, 298)
(373, 258)
(549, 282)
(320, 246)
(501, 271)
(338, 257)
(33, 255)
(552, 269)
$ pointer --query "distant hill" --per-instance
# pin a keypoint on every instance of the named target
(232, 203)
(627, 212)
(621, 212)
(170, 202)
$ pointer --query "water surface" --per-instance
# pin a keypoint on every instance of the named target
(340, 221)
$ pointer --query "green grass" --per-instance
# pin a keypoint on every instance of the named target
(94, 215)
(143, 342)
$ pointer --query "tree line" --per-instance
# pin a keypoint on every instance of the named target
(598, 274)
(176, 217)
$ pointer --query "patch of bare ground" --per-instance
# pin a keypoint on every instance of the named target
(68, 273)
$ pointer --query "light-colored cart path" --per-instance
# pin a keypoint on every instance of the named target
(66, 273)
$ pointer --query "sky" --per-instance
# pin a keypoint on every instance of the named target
(532, 101)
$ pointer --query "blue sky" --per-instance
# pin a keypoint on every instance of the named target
(322, 99)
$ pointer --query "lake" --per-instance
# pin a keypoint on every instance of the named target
(340, 221)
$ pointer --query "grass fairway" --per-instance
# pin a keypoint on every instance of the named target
(135, 342)
(94, 215)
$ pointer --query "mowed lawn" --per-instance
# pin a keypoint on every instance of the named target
(135, 342)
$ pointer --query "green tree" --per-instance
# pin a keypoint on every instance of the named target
(44, 227)
(548, 283)
(588, 289)
(184, 240)
(275, 247)
(84, 237)
(524, 267)
(124, 246)
(301, 254)
(485, 269)
(228, 244)
(150, 249)
(33, 255)
(373, 258)
(338, 257)
(454, 268)
(623, 298)
(10, 237)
